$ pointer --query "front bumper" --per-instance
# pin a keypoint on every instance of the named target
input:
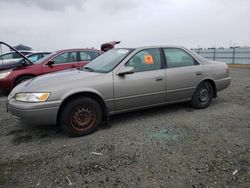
(6, 85)
(44, 113)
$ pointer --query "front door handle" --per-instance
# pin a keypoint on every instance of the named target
(159, 78)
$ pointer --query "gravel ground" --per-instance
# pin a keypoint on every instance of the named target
(171, 146)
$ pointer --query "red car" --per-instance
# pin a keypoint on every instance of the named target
(56, 61)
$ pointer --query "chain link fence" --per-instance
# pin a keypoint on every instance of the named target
(233, 55)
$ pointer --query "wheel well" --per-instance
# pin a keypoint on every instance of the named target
(84, 94)
(22, 76)
(213, 86)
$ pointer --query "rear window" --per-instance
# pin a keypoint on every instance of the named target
(88, 55)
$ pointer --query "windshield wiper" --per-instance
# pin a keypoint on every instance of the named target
(89, 69)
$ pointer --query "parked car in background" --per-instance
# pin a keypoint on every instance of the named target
(12, 63)
(14, 55)
(118, 81)
(56, 61)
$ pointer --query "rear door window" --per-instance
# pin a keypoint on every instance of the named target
(88, 55)
(84, 56)
(178, 58)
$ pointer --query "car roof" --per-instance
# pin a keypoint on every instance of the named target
(78, 49)
(160, 46)
(39, 52)
(153, 46)
(15, 52)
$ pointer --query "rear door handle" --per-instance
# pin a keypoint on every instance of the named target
(198, 73)
(159, 78)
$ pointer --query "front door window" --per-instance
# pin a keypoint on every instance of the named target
(146, 60)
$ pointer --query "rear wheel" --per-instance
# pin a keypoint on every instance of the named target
(80, 117)
(22, 79)
(202, 96)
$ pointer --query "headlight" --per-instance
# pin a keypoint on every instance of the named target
(4, 74)
(32, 97)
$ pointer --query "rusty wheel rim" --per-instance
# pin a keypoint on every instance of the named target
(82, 118)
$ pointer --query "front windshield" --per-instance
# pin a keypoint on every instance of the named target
(32, 58)
(108, 61)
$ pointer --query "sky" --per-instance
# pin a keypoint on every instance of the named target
(59, 24)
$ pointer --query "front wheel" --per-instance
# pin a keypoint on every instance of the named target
(80, 117)
(202, 96)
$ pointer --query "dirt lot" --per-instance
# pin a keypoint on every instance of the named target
(172, 146)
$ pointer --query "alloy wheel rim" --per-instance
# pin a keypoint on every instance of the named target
(203, 95)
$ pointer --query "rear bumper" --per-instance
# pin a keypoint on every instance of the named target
(34, 113)
(223, 83)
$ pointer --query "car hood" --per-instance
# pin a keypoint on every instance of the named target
(53, 81)
(7, 64)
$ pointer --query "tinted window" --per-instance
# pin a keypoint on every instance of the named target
(65, 58)
(146, 60)
(178, 58)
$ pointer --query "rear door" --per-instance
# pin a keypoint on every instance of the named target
(62, 61)
(146, 86)
(183, 74)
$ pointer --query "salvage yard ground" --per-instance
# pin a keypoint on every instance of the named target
(171, 146)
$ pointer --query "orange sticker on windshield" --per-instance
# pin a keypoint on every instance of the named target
(149, 59)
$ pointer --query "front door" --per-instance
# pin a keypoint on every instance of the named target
(146, 86)
(66, 60)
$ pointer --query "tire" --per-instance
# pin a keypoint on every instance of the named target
(203, 95)
(22, 79)
(80, 117)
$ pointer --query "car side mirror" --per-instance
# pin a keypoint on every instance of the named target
(126, 70)
(50, 63)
